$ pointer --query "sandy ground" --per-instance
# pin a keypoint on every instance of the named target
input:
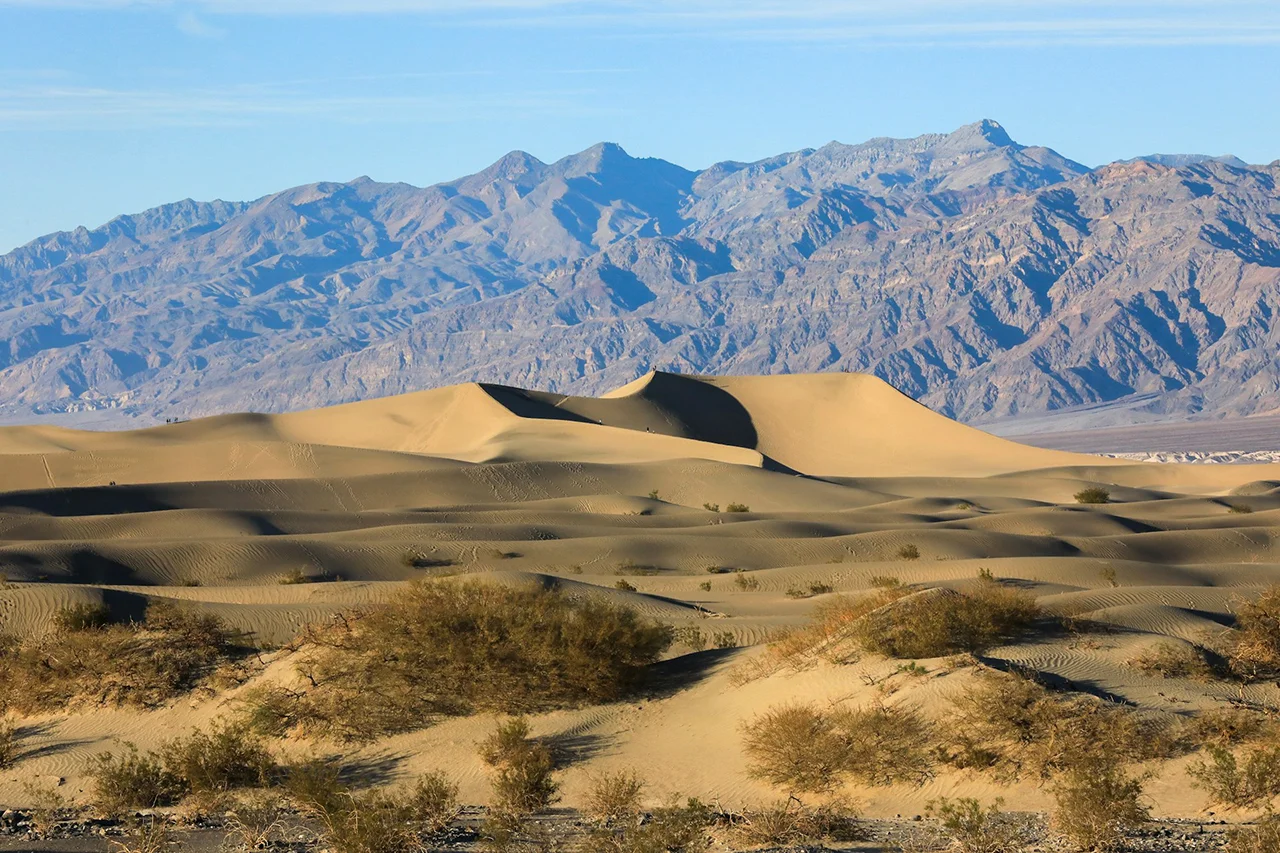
(839, 473)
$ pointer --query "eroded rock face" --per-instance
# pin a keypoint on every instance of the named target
(986, 278)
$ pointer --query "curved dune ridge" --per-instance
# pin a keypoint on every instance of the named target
(836, 482)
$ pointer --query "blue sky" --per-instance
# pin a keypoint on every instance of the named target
(113, 106)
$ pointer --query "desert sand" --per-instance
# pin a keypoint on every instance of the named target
(839, 473)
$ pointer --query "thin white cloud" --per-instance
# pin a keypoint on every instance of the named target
(883, 22)
(66, 107)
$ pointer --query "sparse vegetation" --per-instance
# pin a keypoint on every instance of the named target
(9, 743)
(523, 783)
(1233, 781)
(421, 560)
(81, 617)
(710, 507)
(909, 552)
(1097, 805)
(623, 585)
(1014, 727)
(135, 664)
(653, 495)
(745, 582)
(705, 586)
(225, 757)
(614, 797)
(1174, 660)
(255, 822)
(150, 836)
(737, 508)
(724, 640)
(1263, 837)
(1253, 648)
(133, 780)
(1239, 509)
(441, 649)
(692, 637)
(293, 577)
(1093, 495)
(970, 828)
(806, 748)
(669, 829)
(499, 554)
(790, 823)
(1109, 577)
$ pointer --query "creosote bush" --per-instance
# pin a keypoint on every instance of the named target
(442, 648)
(909, 552)
(1097, 805)
(225, 758)
(142, 665)
(807, 748)
(670, 829)
(1093, 495)
(1253, 648)
(373, 821)
(614, 798)
(81, 617)
(970, 828)
(1174, 660)
(523, 783)
(1240, 782)
(790, 823)
(1016, 728)
(737, 508)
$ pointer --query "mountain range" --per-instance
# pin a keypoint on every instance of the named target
(985, 278)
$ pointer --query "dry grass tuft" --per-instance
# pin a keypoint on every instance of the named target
(614, 797)
(1263, 837)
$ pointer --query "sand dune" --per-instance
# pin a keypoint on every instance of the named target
(839, 478)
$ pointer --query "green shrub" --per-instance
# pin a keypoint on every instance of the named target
(691, 637)
(133, 780)
(909, 552)
(805, 748)
(1097, 806)
(745, 582)
(1232, 782)
(225, 757)
(705, 586)
(444, 649)
(1093, 495)
(972, 829)
(710, 507)
(724, 640)
(1174, 660)
(523, 783)
(737, 508)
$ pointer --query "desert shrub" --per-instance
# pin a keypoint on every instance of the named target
(1174, 660)
(10, 740)
(294, 577)
(820, 588)
(623, 585)
(372, 821)
(445, 649)
(1110, 577)
(614, 797)
(790, 823)
(973, 829)
(255, 822)
(909, 552)
(150, 836)
(1253, 648)
(884, 582)
(1234, 782)
(1015, 727)
(933, 623)
(225, 757)
(81, 617)
(806, 748)
(669, 829)
(1240, 509)
(795, 592)
(724, 640)
(523, 783)
(745, 582)
(705, 586)
(719, 570)
(690, 636)
(137, 664)
(133, 780)
(1093, 495)
(499, 554)
(1097, 805)
(1263, 837)
(1224, 727)
(710, 507)
(415, 559)
(737, 508)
